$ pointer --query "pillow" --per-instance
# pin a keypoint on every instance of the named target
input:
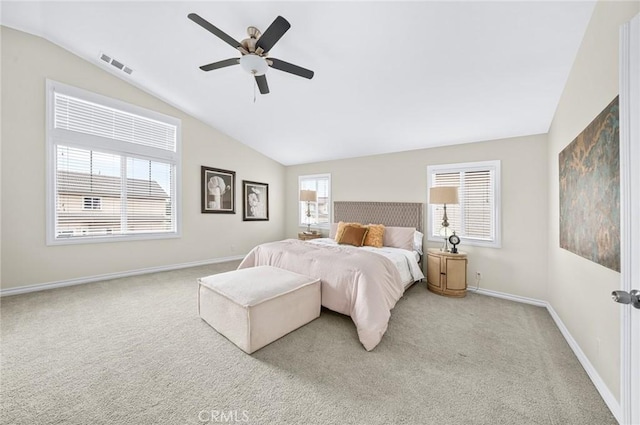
(417, 242)
(353, 235)
(375, 235)
(399, 237)
(341, 226)
(333, 230)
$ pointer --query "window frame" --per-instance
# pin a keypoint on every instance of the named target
(301, 217)
(55, 137)
(494, 166)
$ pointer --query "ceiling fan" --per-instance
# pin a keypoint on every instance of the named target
(254, 51)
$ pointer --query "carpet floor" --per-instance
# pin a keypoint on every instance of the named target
(134, 351)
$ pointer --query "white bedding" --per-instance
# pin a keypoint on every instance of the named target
(361, 283)
(405, 261)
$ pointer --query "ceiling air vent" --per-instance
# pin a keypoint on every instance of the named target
(116, 63)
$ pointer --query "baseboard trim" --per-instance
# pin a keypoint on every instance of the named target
(505, 296)
(80, 281)
(602, 388)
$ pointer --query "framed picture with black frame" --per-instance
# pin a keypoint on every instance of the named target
(255, 200)
(218, 191)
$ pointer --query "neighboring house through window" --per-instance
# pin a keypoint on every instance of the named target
(476, 217)
(113, 169)
(320, 210)
(91, 203)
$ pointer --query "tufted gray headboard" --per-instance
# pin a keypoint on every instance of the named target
(400, 214)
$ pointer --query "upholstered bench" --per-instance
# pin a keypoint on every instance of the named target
(253, 307)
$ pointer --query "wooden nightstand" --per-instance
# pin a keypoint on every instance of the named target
(306, 237)
(447, 273)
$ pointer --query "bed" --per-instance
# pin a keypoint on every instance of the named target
(364, 283)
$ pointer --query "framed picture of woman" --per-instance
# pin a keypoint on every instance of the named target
(255, 199)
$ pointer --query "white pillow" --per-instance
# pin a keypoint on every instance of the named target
(333, 230)
(399, 237)
(417, 242)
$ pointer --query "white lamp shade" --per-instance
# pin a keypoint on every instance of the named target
(443, 195)
(254, 64)
(308, 196)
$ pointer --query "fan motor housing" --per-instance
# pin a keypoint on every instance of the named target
(250, 43)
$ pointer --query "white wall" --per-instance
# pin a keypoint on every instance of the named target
(520, 266)
(579, 290)
(26, 62)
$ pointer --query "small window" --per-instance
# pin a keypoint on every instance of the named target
(320, 211)
(91, 203)
(476, 217)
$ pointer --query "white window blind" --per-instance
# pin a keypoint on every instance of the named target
(81, 116)
(113, 169)
(320, 210)
(478, 204)
(476, 217)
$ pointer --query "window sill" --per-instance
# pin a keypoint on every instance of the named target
(469, 242)
(109, 239)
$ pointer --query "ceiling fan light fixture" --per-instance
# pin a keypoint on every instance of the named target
(254, 64)
(254, 50)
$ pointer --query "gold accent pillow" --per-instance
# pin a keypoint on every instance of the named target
(375, 235)
(342, 226)
(353, 235)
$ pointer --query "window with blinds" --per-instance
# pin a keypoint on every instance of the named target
(476, 217)
(113, 169)
(320, 210)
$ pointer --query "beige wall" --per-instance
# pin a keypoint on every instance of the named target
(26, 62)
(520, 266)
(579, 290)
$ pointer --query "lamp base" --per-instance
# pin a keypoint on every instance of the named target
(308, 231)
(445, 246)
(445, 232)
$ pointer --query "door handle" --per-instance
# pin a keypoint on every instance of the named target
(624, 297)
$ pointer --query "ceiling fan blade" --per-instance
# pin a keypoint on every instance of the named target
(261, 80)
(275, 31)
(213, 30)
(220, 64)
(290, 68)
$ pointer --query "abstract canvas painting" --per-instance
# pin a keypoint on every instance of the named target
(590, 191)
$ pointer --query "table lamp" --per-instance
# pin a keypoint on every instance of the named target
(444, 195)
(308, 196)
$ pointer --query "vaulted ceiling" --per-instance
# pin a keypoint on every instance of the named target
(389, 76)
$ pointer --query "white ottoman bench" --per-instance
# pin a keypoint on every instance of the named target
(253, 307)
